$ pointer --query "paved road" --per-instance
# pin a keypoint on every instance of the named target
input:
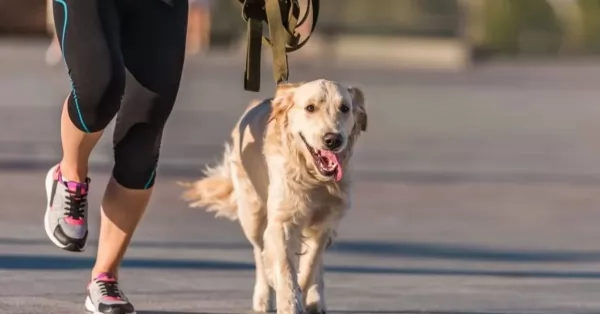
(479, 193)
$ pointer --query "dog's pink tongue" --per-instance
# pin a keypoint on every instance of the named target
(338, 173)
(334, 162)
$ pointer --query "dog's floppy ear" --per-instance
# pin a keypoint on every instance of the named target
(358, 105)
(283, 101)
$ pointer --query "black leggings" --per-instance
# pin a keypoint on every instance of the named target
(124, 57)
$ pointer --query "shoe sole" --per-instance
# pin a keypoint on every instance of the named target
(90, 307)
(72, 247)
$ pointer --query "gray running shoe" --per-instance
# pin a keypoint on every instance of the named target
(66, 211)
(105, 297)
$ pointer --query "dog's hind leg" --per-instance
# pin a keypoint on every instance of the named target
(311, 272)
(252, 215)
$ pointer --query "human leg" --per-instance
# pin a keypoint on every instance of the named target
(87, 30)
(193, 43)
(154, 51)
(53, 55)
(206, 23)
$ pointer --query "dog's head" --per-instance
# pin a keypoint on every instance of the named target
(323, 119)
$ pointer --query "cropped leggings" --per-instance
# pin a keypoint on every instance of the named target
(125, 59)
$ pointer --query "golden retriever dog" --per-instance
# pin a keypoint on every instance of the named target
(286, 177)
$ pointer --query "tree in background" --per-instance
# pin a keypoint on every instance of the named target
(570, 15)
(512, 26)
(591, 24)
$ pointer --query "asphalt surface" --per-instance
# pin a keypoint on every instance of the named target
(478, 193)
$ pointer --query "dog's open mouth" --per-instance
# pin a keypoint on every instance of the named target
(327, 162)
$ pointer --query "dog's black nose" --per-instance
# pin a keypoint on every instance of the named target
(333, 141)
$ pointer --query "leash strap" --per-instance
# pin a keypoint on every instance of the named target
(281, 17)
(253, 55)
(279, 38)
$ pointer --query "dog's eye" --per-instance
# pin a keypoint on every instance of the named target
(344, 108)
(310, 108)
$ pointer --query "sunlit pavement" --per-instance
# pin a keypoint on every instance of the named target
(478, 193)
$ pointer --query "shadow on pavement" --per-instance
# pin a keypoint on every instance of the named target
(434, 312)
(168, 312)
(171, 170)
(460, 252)
(420, 311)
(416, 312)
(37, 262)
(382, 249)
(329, 312)
(14, 165)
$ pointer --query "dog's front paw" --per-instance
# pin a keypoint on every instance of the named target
(290, 303)
(314, 309)
(290, 309)
(262, 301)
(315, 301)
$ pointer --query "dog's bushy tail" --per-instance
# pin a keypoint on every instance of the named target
(215, 191)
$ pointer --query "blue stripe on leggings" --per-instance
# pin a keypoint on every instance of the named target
(150, 179)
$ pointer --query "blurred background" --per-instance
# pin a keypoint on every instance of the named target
(478, 180)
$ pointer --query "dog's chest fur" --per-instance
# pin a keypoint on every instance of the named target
(317, 204)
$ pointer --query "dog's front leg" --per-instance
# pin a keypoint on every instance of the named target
(279, 263)
(311, 272)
